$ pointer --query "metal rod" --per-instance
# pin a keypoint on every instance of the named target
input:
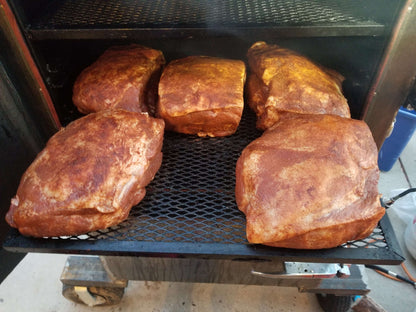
(389, 202)
(391, 273)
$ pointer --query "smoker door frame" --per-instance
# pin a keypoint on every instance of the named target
(21, 111)
(395, 77)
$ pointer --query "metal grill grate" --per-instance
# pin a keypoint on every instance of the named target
(375, 240)
(191, 199)
(101, 13)
(190, 209)
(187, 227)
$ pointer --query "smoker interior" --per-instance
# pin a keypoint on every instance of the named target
(189, 209)
(67, 36)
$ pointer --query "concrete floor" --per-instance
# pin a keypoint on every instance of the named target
(34, 284)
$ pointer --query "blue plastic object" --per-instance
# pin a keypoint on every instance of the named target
(393, 146)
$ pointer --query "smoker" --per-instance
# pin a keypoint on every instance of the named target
(188, 227)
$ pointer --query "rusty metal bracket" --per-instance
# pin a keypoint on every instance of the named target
(308, 270)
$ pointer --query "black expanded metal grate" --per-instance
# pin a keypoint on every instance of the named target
(375, 240)
(191, 199)
(207, 227)
(191, 13)
(190, 210)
